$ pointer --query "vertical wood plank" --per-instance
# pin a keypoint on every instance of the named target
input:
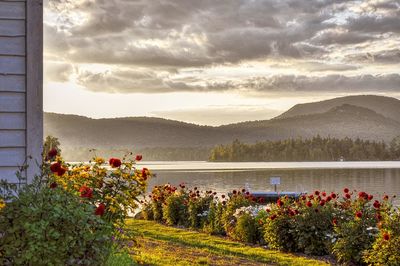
(34, 85)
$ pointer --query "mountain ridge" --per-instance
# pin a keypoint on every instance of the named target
(340, 121)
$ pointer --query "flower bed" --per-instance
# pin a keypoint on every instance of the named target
(71, 214)
(352, 226)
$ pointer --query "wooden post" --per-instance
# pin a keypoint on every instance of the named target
(34, 85)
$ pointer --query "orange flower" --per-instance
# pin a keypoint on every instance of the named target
(86, 192)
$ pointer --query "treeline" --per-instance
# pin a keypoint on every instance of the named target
(149, 154)
(314, 149)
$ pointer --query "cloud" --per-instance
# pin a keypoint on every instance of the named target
(147, 44)
(57, 71)
(382, 57)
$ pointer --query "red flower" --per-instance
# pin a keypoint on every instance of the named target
(358, 214)
(370, 197)
(362, 195)
(333, 195)
(52, 153)
(309, 204)
(346, 190)
(386, 236)
(114, 162)
(280, 203)
(328, 198)
(322, 202)
(144, 173)
(376, 204)
(223, 202)
(348, 196)
(100, 209)
(55, 167)
(53, 185)
(324, 194)
(223, 196)
(61, 171)
(334, 222)
(138, 157)
(272, 217)
(316, 192)
(268, 210)
(86, 192)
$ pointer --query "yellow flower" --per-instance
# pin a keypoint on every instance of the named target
(84, 174)
(2, 204)
(99, 160)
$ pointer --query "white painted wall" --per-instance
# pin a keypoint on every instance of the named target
(21, 53)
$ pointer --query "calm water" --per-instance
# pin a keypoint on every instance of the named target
(374, 177)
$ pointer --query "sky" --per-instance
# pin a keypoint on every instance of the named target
(214, 62)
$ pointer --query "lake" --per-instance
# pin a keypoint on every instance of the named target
(373, 177)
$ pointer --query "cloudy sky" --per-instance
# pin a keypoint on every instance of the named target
(216, 61)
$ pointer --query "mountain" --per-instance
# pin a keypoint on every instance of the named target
(386, 106)
(366, 117)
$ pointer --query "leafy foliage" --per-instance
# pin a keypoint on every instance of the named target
(45, 226)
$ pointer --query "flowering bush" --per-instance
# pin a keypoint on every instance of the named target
(70, 214)
(386, 247)
(199, 205)
(213, 224)
(50, 226)
(279, 227)
(314, 222)
(115, 191)
(235, 200)
(247, 227)
(355, 227)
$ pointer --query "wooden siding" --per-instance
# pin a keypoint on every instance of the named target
(21, 85)
(13, 65)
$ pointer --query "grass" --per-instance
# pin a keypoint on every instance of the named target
(163, 245)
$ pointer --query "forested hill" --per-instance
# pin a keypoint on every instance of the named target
(375, 122)
(386, 106)
(315, 149)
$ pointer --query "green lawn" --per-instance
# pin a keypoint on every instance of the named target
(163, 245)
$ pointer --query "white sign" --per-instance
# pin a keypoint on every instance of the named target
(275, 180)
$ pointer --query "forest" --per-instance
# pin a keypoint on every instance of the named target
(314, 149)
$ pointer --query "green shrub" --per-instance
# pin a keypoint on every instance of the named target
(246, 229)
(214, 225)
(280, 228)
(44, 226)
(314, 228)
(234, 202)
(355, 231)
(198, 210)
(386, 248)
(175, 210)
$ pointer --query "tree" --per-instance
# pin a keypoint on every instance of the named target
(395, 147)
(51, 143)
